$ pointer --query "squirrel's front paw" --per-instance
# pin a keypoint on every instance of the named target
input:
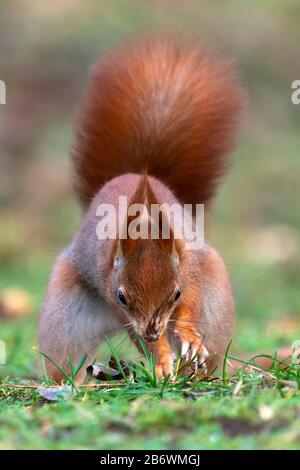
(195, 352)
(193, 349)
(164, 366)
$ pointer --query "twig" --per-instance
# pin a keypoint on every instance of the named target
(35, 387)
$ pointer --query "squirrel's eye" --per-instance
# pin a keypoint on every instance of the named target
(177, 294)
(121, 297)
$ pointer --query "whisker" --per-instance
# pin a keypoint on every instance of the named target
(123, 339)
(120, 343)
(188, 322)
(101, 336)
(111, 333)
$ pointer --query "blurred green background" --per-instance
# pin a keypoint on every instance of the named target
(46, 49)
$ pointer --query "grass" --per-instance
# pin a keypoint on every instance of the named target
(252, 409)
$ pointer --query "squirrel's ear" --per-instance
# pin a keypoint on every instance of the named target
(161, 230)
(166, 239)
(160, 226)
(117, 254)
(167, 244)
(135, 223)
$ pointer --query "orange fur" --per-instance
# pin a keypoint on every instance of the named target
(157, 122)
(163, 104)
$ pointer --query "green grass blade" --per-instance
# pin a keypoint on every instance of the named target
(80, 365)
(120, 368)
(45, 371)
(58, 367)
(151, 361)
(224, 373)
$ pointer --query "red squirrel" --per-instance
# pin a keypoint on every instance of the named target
(156, 125)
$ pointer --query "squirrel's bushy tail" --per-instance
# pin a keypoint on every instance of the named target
(162, 105)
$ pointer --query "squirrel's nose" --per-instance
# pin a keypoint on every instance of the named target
(151, 337)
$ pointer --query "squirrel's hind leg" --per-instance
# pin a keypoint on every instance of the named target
(217, 316)
(74, 320)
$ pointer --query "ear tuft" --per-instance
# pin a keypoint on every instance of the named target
(141, 221)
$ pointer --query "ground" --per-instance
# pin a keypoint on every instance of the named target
(255, 225)
(250, 411)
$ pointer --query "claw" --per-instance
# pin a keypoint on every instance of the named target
(184, 348)
(202, 358)
(194, 355)
(204, 353)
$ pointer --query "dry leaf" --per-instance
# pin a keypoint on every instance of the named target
(56, 393)
(15, 303)
(102, 372)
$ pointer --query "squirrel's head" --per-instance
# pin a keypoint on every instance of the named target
(145, 282)
(146, 286)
